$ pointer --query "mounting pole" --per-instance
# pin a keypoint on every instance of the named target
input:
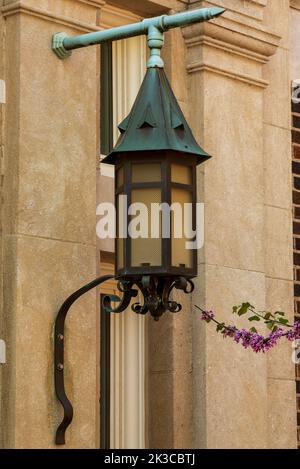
(62, 44)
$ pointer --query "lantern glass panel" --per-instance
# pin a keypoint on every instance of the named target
(181, 174)
(146, 250)
(120, 177)
(121, 210)
(146, 172)
(181, 228)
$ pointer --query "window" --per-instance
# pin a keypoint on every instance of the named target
(122, 361)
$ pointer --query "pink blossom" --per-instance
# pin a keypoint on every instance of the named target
(252, 339)
(207, 316)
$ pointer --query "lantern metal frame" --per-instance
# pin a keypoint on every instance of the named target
(165, 158)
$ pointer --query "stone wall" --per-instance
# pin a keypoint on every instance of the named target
(48, 220)
(239, 100)
(278, 206)
(232, 79)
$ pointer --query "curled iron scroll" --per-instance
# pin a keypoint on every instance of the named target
(156, 295)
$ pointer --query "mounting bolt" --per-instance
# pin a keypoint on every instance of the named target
(60, 367)
(60, 336)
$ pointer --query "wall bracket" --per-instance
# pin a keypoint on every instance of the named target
(156, 294)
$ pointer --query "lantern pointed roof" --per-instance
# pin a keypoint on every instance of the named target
(156, 122)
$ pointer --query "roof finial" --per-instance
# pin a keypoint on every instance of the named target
(155, 43)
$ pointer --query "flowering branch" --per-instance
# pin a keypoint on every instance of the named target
(276, 322)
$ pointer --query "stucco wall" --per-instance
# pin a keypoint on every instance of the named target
(48, 221)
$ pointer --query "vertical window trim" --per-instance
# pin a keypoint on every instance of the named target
(119, 436)
(105, 379)
(106, 96)
(106, 145)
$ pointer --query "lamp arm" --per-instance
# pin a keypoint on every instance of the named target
(63, 44)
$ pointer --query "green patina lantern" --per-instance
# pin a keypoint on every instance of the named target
(155, 162)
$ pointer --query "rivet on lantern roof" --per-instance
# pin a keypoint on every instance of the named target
(156, 122)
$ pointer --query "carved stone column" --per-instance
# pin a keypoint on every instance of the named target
(282, 420)
(226, 62)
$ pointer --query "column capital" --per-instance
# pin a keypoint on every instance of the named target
(236, 27)
(295, 4)
(84, 18)
(234, 44)
(249, 8)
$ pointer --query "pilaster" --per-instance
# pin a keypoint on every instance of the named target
(49, 240)
(278, 225)
(225, 64)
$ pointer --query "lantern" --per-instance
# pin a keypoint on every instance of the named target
(155, 163)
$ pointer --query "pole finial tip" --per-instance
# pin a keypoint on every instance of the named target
(217, 11)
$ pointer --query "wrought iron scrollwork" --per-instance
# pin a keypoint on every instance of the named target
(156, 293)
(124, 287)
